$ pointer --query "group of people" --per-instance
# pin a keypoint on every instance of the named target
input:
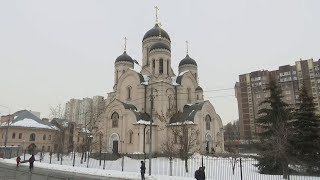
(199, 174)
(31, 161)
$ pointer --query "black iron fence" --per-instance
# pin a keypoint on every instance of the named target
(215, 167)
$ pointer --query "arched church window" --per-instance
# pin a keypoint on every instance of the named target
(161, 66)
(148, 137)
(153, 66)
(129, 92)
(189, 95)
(117, 76)
(130, 137)
(208, 121)
(197, 96)
(195, 75)
(115, 119)
(169, 102)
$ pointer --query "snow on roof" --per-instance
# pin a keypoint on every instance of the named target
(32, 124)
(146, 79)
(144, 122)
(174, 81)
(182, 73)
(180, 123)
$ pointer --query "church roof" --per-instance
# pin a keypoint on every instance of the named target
(188, 114)
(159, 45)
(199, 88)
(179, 77)
(155, 32)
(139, 115)
(187, 60)
(26, 119)
(124, 57)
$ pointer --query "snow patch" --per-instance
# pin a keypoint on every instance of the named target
(32, 124)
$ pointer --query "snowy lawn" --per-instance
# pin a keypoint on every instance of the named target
(215, 168)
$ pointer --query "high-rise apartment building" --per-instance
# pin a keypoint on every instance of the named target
(84, 111)
(250, 91)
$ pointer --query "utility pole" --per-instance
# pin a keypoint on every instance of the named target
(150, 145)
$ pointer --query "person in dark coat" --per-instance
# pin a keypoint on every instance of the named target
(31, 161)
(142, 170)
(202, 175)
(18, 160)
(197, 174)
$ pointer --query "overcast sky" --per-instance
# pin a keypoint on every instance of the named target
(52, 51)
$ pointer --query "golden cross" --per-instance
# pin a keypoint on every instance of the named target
(125, 43)
(187, 45)
(157, 9)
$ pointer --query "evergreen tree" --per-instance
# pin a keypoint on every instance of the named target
(274, 117)
(305, 139)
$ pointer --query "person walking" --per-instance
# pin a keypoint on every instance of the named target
(142, 170)
(197, 174)
(31, 161)
(202, 174)
(18, 160)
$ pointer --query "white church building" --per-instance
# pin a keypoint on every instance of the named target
(156, 90)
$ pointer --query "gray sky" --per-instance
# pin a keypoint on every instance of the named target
(52, 51)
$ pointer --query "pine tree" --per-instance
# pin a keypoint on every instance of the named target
(274, 117)
(305, 139)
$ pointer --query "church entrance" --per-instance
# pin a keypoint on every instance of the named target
(115, 147)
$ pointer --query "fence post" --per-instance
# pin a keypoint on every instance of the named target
(88, 160)
(241, 169)
(122, 163)
(74, 157)
(50, 156)
(24, 155)
(61, 159)
(104, 161)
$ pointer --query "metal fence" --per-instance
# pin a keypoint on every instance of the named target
(215, 168)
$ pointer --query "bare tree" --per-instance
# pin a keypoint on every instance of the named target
(170, 150)
(56, 111)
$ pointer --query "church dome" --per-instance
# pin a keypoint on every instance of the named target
(124, 57)
(159, 45)
(154, 32)
(187, 60)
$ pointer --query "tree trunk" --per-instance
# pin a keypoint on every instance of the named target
(285, 170)
(186, 165)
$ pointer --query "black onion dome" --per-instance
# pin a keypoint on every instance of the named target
(199, 88)
(124, 57)
(187, 60)
(159, 45)
(154, 32)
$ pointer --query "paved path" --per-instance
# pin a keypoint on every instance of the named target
(9, 172)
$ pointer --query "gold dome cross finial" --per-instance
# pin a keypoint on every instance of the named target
(125, 43)
(157, 9)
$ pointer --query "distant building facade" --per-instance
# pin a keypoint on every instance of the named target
(250, 91)
(84, 111)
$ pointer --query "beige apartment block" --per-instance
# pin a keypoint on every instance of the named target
(250, 91)
(124, 125)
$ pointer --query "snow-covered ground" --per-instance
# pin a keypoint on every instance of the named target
(216, 168)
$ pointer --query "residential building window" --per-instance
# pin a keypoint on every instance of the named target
(32, 137)
(48, 149)
(115, 119)
(13, 135)
(49, 138)
(161, 66)
(43, 148)
(130, 136)
(20, 135)
(208, 121)
(44, 137)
